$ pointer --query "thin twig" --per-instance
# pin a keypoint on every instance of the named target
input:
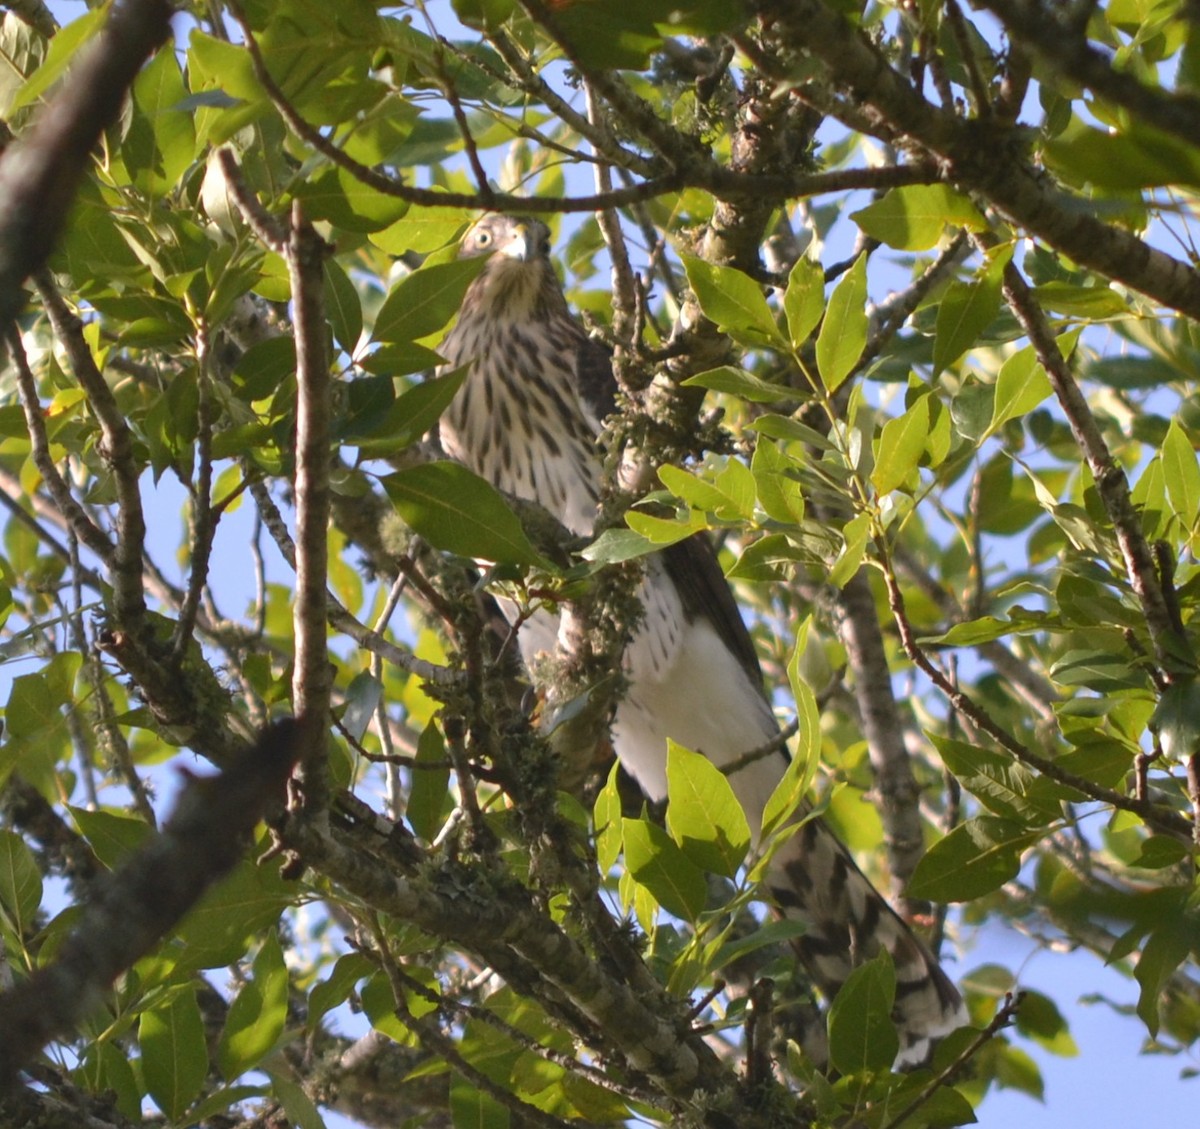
(460, 118)
(72, 512)
(204, 519)
(129, 598)
(1170, 822)
(339, 617)
(1002, 1019)
(444, 1047)
(264, 225)
(533, 84)
(966, 51)
(489, 1017)
(1171, 650)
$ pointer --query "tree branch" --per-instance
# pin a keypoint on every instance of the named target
(983, 156)
(1065, 49)
(40, 172)
(899, 809)
(1171, 647)
(146, 897)
(311, 681)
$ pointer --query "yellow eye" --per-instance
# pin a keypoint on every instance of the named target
(483, 238)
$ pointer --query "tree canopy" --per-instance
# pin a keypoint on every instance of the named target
(901, 299)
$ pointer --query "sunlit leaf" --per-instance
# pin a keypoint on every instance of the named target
(174, 1052)
(734, 301)
(703, 814)
(658, 864)
(258, 1012)
(914, 216)
(843, 333)
(976, 858)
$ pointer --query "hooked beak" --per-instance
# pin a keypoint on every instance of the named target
(524, 245)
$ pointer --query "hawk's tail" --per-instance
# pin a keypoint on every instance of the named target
(813, 879)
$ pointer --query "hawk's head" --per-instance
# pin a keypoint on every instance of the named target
(518, 272)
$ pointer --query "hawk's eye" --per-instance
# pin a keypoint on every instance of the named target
(483, 238)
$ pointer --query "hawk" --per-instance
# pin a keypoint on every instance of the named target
(528, 419)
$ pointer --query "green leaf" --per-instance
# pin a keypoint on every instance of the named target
(256, 1017)
(1181, 475)
(1006, 788)
(901, 445)
(169, 145)
(343, 306)
(107, 1067)
(1176, 720)
(174, 1054)
(1021, 385)
(914, 216)
(778, 932)
(849, 560)
(862, 1035)
(299, 1107)
(362, 700)
(337, 196)
(663, 531)
(64, 48)
(335, 989)
(1039, 1018)
(966, 310)
(422, 303)
(429, 800)
(843, 333)
(736, 482)
(1159, 851)
(703, 815)
(977, 857)
(458, 512)
(1139, 157)
(20, 883)
(738, 382)
(423, 230)
(35, 704)
(733, 301)
(473, 1108)
(407, 418)
(1165, 949)
(616, 545)
(112, 835)
(780, 494)
(793, 787)
(379, 1006)
(656, 863)
(606, 818)
(1083, 302)
(216, 932)
(804, 300)
(698, 492)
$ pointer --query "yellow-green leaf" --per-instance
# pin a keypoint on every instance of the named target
(844, 331)
(703, 815)
(914, 216)
(901, 445)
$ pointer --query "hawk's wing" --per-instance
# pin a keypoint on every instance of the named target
(692, 564)
(693, 567)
